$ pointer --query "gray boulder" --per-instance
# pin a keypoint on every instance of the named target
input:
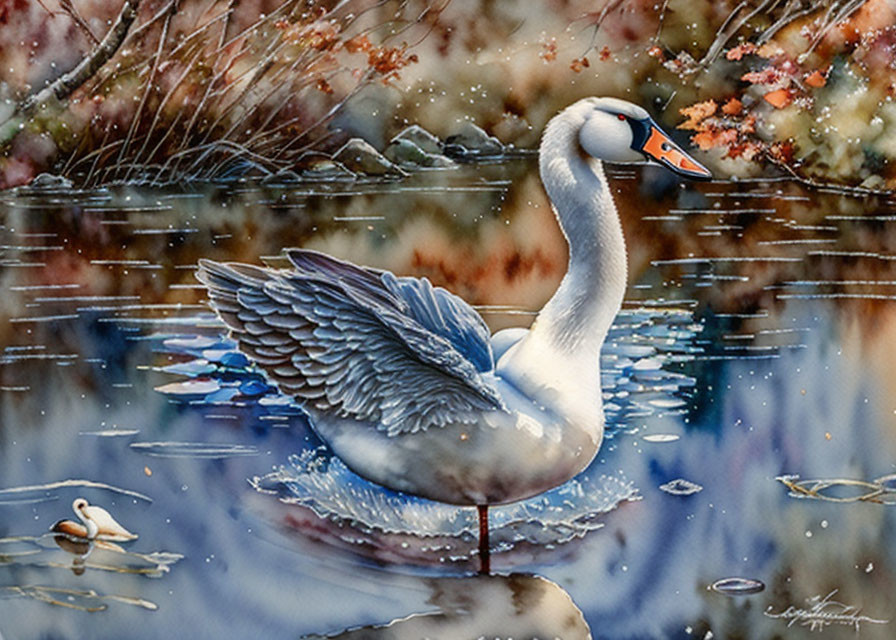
(359, 156)
(421, 138)
(472, 141)
(406, 154)
(314, 165)
(50, 181)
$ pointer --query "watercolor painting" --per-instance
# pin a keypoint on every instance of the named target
(460, 319)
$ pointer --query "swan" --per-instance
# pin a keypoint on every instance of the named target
(404, 381)
(96, 524)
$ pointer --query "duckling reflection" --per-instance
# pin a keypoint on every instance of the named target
(515, 606)
(78, 547)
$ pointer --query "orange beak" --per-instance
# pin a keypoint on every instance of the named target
(660, 147)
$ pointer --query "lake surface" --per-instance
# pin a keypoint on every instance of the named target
(748, 386)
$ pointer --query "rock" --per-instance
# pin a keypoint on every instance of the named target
(421, 138)
(328, 170)
(472, 141)
(405, 153)
(50, 181)
(359, 156)
(314, 165)
(282, 177)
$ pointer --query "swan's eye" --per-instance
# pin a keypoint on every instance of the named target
(621, 117)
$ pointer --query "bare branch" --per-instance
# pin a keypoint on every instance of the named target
(66, 84)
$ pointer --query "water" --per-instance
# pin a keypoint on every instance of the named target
(747, 386)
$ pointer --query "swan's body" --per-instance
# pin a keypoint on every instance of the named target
(96, 524)
(403, 380)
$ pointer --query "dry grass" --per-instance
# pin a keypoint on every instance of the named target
(209, 89)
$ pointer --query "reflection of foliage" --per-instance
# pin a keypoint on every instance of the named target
(200, 89)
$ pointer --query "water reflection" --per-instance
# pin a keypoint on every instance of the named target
(737, 360)
(496, 606)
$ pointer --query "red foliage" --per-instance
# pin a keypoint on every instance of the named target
(358, 43)
(767, 75)
(732, 107)
(549, 53)
(730, 128)
(579, 63)
(741, 50)
(8, 7)
(386, 61)
(696, 114)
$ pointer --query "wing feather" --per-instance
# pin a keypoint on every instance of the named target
(359, 343)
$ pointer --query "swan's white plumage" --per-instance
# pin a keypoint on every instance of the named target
(99, 523)
(491, 421)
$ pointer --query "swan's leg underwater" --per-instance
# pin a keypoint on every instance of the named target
(484, 564)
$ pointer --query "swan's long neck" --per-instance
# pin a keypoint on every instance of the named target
(90, 525)
(576, 319)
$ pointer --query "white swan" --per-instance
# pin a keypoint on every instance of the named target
(96, 524)
(403, 379)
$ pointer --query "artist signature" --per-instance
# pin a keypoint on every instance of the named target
(823, 612)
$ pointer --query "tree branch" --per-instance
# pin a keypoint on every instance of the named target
(66, 84)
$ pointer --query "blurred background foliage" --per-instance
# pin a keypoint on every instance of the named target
(201, 89)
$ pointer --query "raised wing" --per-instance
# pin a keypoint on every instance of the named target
(358, 343)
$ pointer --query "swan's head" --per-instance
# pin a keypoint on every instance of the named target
(80, 508)
(617, 131)
(78, 505)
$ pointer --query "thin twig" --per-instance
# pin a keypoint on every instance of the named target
(135, 121)
(78, 20)
(730, 28)
(842, 15)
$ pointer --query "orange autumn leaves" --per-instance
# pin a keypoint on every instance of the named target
(732, 128)
(730, 124)
(722, 127)
(326, 36)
